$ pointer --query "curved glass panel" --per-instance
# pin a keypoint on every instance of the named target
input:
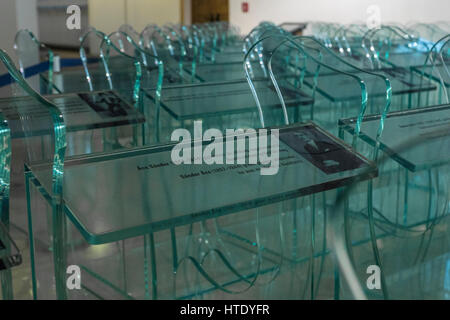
(33, 57)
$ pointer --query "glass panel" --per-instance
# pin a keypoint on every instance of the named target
(369, 91)
(83, 111)
(431, 123)
(408, 212)
(436, 67)
(151, 169)
(50, 147)
(94, 76)
(394, 45)
(167, 46)
(9, 253)
(34, 57)
(148, 168)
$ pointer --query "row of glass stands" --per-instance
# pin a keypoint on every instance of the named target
(361, 177)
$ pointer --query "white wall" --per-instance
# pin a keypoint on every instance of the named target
(8, 29)
(16, 15)
(341, 11)
(106, 15)
(109, 15)
(142, 12)
(27, 17)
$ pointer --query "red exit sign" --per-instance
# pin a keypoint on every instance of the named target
(245, 7)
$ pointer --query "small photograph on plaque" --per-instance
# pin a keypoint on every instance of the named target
(107, 104)
(319, 149)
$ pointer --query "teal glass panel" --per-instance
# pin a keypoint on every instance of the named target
(403, 82)
(9, 253)
(219, 105)
(436, 68)
(31, 53)
(196, 192)
(431, 123)
(436, 72)
(222, 72)
(50, 148)
(369, 90)
(197, 101)
(82, 111)
(408, 201)
(167, 45)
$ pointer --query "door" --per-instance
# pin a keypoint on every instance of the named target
(209, 10)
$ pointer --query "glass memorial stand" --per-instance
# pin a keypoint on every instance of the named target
(129, 256)
(412, 214)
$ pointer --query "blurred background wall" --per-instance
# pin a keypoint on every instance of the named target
(16, 15)
(46, 18)
(341, 11)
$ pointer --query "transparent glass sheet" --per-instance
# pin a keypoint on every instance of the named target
(435, 72)
(220, 72)
(431, 124)
(408, 59)
(190, 102)
(147, 192)
(402, 80)
(74, 80)
(83, 111)
(229, 57)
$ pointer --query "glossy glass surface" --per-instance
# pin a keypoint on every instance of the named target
(31, 53)
(156, 194)
(214, 99)
(82, 111)
(402, 80)
(431, 124)
(142, 227)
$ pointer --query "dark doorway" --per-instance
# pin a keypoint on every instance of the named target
(209, 10)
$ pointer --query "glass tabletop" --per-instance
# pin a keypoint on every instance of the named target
(403, 81)
(212, 99)
(148, 192)
(406, 59)
(433, 72)
(82, 111)
(221, 72)
(358, 59)
(74, 80)
(209, 72)
(431, 124)
(229, 57)
(233, 48)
